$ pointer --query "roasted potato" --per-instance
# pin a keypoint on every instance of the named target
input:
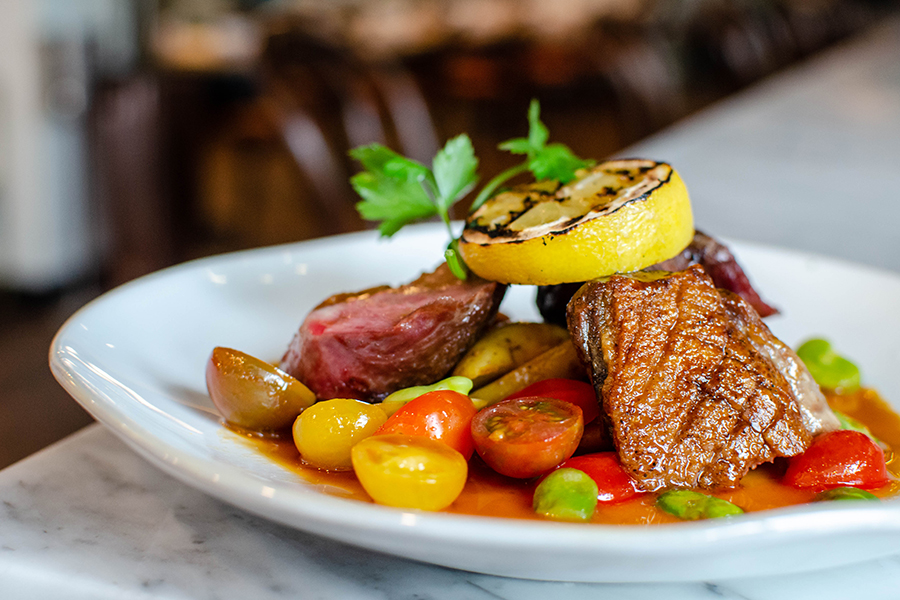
(509, 346)
(561, 361)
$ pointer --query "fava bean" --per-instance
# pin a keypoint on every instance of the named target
(846, 493)
(393, 403)
(691, 506)
(828, 368)
(566, 495)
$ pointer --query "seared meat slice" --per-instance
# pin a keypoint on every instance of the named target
(693, 385)
(721, 265)
(703, 250)
(817, 415)
(369, 344)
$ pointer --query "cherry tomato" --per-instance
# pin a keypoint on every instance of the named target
(409, 471)
(325, 432)
(577, 392)
(442, 415)
(253, 394)
(614, 484)
(525, 437)
(836, 459)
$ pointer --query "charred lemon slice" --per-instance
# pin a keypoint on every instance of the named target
(619, 216)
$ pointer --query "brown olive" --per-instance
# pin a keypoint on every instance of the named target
(253, 394)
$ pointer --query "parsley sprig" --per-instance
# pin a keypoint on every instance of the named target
(396, 190)
(545, 161)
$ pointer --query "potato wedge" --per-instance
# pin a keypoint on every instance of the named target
(509, 346)
(560, 361)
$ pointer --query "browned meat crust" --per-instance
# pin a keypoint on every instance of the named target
(690, 399)
(817, 415)
(369, 344)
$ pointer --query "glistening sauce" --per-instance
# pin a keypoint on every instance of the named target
(489, 494)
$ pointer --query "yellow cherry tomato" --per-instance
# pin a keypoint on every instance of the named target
(325, 432)
(409, 471)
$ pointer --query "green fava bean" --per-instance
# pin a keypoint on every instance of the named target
(846, 493)
(828, 368)
(717, 508)
(395, 401)
(688, 505)
(566, 495)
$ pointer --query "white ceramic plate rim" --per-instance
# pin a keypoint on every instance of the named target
(129, 414)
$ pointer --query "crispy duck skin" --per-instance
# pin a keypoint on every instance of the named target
(694, 387)
(703, 250)
(371, 343)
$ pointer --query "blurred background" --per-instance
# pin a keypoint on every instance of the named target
(136, 134)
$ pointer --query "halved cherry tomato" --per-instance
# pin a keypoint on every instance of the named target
(325, 432)
(614, 484)
(252, 394)
(442, 415)
(839, 458)
(409, 471)
(526, 437)
(577, 392)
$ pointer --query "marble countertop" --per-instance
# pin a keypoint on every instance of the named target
(87, 519)
(809, 159)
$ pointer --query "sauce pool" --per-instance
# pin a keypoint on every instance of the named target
(489, 494)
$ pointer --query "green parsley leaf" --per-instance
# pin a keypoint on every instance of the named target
(396, 190)
(517, 146)
(393, 201)
(454, 171)
(393, 188)
(537, 131)
(553, 161)
(556, 161)
(381, 159)
(374, 156)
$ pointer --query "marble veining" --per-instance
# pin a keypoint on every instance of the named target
(87, 518)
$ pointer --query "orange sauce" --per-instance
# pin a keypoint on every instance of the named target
(489, 494)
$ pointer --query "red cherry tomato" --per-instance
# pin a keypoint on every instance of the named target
(613, 483)
(442, 415)
(526, 437)
(836, 459)
(571, 390)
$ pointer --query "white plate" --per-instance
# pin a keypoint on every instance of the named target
(135, 360)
